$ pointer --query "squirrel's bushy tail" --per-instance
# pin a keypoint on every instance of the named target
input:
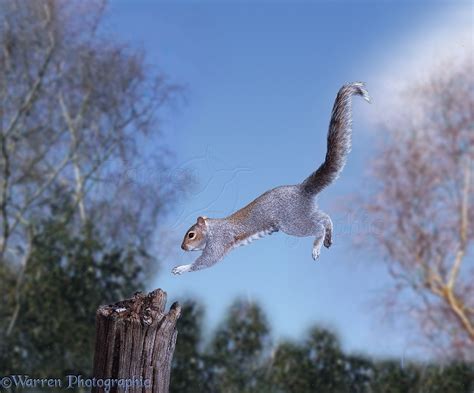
(339, 139)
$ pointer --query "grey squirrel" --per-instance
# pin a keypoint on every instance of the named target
(290, 209)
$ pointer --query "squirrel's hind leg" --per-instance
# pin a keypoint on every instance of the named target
(327, 222)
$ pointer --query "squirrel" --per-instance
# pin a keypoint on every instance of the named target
(290, 209)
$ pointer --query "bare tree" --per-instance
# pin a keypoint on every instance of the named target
(423, 201)
(76, 110)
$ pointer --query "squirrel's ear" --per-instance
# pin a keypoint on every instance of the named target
(201, 220)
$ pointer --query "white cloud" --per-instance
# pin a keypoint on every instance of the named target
(447, 37)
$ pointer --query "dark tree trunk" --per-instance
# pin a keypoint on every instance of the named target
(135, 341)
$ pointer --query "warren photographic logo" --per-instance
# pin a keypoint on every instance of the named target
(19, 382)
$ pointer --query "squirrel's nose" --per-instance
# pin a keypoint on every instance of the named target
(183, 247)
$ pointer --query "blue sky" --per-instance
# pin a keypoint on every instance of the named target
(261, 78)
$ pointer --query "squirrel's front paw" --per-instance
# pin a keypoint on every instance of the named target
(181, 269)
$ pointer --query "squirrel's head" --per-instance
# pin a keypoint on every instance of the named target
(196, 236)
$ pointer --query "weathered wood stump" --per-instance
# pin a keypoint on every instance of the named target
(135, 341)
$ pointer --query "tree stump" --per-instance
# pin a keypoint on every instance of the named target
(135, 341)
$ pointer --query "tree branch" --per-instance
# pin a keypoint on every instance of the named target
(463, 227)
(79, 195)
(33, 90)
(19, 282)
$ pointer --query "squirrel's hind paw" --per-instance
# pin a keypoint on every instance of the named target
(327, 242)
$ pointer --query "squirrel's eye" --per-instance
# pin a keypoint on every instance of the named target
(191, 235)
